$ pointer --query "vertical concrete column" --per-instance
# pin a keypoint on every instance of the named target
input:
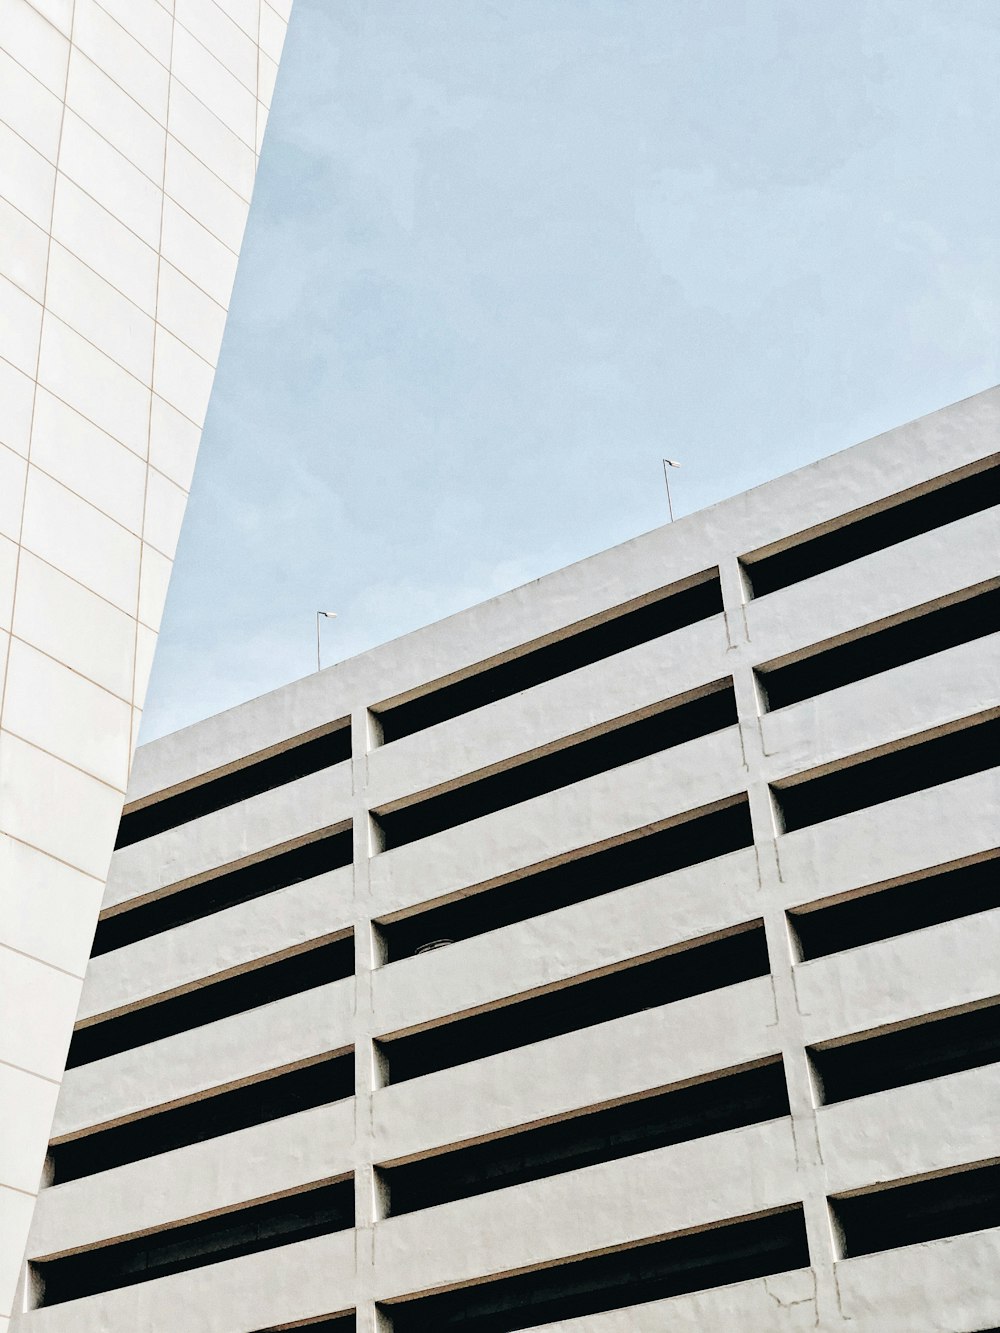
(811, 1171)
(366, 1200)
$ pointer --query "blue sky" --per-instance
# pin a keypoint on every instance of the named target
(505, 254)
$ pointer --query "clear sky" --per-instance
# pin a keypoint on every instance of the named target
(505, 254)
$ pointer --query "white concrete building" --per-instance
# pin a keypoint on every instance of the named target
(130, 132)
(704, 830)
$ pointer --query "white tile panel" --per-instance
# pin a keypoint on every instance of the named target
(88, 808)
(110, 178)
(181, 377)
(154, 575)
(23, 1143)
(58, 710)
(47, 908)
(164, 512)
(107, 108)
(218, 33)
(173, 442)
(13, 471)
(204, 134)
(88, 461)
(193, 250)
(20, 327)
(97, 311)
(77, 538)
(17, 392)
(273, 27)
(202, 194)
(15, 1218)
(147, 21)
(41, 48)
(111, 46)
(28, 107)
(74, 625)
(49, 996)
(212, 83)
(103, 243)
(24, 249)
(190, 314)
(89, 380)
(57, 12)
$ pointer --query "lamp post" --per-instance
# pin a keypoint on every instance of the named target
(668, 463)
(329, 615)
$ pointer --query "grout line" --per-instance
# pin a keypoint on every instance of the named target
(33, 957)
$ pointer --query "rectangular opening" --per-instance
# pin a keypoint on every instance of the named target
(930, 1049)
(297, 760)
(700, 837)
(674, 724)
(338, 1323)
(701, 967)
(319, 1084)
(653, 1271)
(669, 610)
(927, 631)
(179, 1249)
(208, 1003)
(728, 1100)
(942, 895)
(925, 1210)
(208, 896)
(905, 517)
(900, 772)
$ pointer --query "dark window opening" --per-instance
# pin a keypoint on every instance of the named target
(921, 636)
(727, 1101)
(675, 976)
(258, 776)
(654, 1271)
(863, 536)
(868, 782)
(670, 611)
(207, 1004)
(914, 1054)
(262, 1226)
(534, 777)
(700, 837)
(209, 896)
(339, 1323)
(946, 895)
(925, 1210)
(320, 1084)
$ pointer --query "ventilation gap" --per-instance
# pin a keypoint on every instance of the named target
(338, 1323)
(913, 1054)
(718, 1257)
(700, 967)
(624, 628)
(727, 1101)
(698, 838)
(248, 1230)
(908, 516)
(320, 1084)
(256, 776)
(208, 896)
(926, 632)
(900, 772)
(942, 895)
(648, 735)
(212, 1002)
(926, 1210)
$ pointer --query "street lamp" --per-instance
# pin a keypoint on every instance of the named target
(329, 615)
(668, 463)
